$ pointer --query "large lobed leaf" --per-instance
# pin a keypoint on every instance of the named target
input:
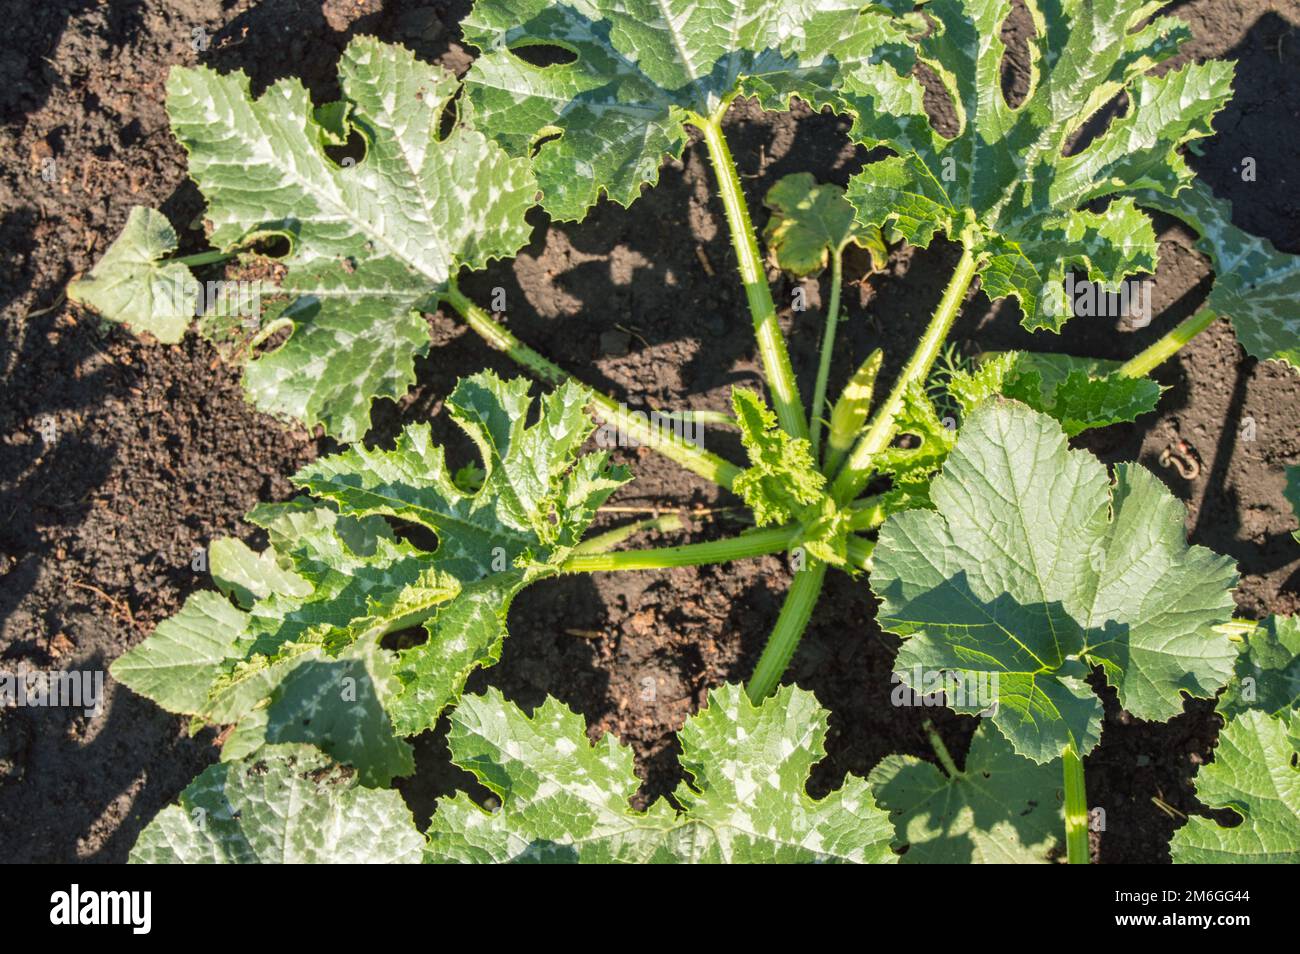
(289, 805)
(1034, 568)
(1003, 184)
(999, 809)
(1255, 285)
(372, 241)
(640, 69)
(1267, 677)
(1080, 393)
(302, 661)
(1253, 774)
(564, 799)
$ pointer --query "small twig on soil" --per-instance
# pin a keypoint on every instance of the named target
(704, 261)
(1165, 807)
(58, 303)
(632, 331)
(121, 606)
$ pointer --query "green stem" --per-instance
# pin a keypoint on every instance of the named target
(824, 362)
(857, 469)
(941, 750)
(666, 523)
(695, 459)
(867, 513)
(752, 544)
(1076, 807)
(790, 624)
(203, 258)
(719, 418)
(1143, 363)
(771, 345)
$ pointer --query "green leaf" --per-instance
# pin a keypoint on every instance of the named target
(782, 482)
(247, 576)
(1080, 393)
(782, 478)
(564, 799)
(925, 441)
(1035, 567)
(810, 222)
(372, 241)
(1254, 775)
(175, 666)
(134, 283)
(1003, 184)
(1001, 809)
(304, 662)
(1255, 285)
(286, 805)
(1267, 677)
(641, 70)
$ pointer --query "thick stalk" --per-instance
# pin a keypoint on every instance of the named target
(1143, 363)
(790, 624)
(695, 459)
(824, 361)
(203, 258)
(857, 470)
(752, 544)
(665, 523)
(941, 750)
(771, 345)
(1076, 808)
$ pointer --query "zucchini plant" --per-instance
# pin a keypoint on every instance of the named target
(995, 550)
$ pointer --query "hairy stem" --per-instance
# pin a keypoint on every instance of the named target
(695, 459)
(1076, 807)
(752, 544)
(204, 258)
(665, 523)
(941, 750)
(824, 362)
(857, 469)
(1143, 363)
(790, 624)
(771, 345)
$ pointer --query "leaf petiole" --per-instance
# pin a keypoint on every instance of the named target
(210, 257)
(771, 344)
(858, 468)
(1076, 807)
(750, 544)
(1146, 361)
(695, 459)
(824, 360)
(790, 625)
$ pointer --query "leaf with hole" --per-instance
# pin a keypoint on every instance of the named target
(565, 799)
(1009, 185)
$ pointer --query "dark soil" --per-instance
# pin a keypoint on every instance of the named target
(155, 453)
